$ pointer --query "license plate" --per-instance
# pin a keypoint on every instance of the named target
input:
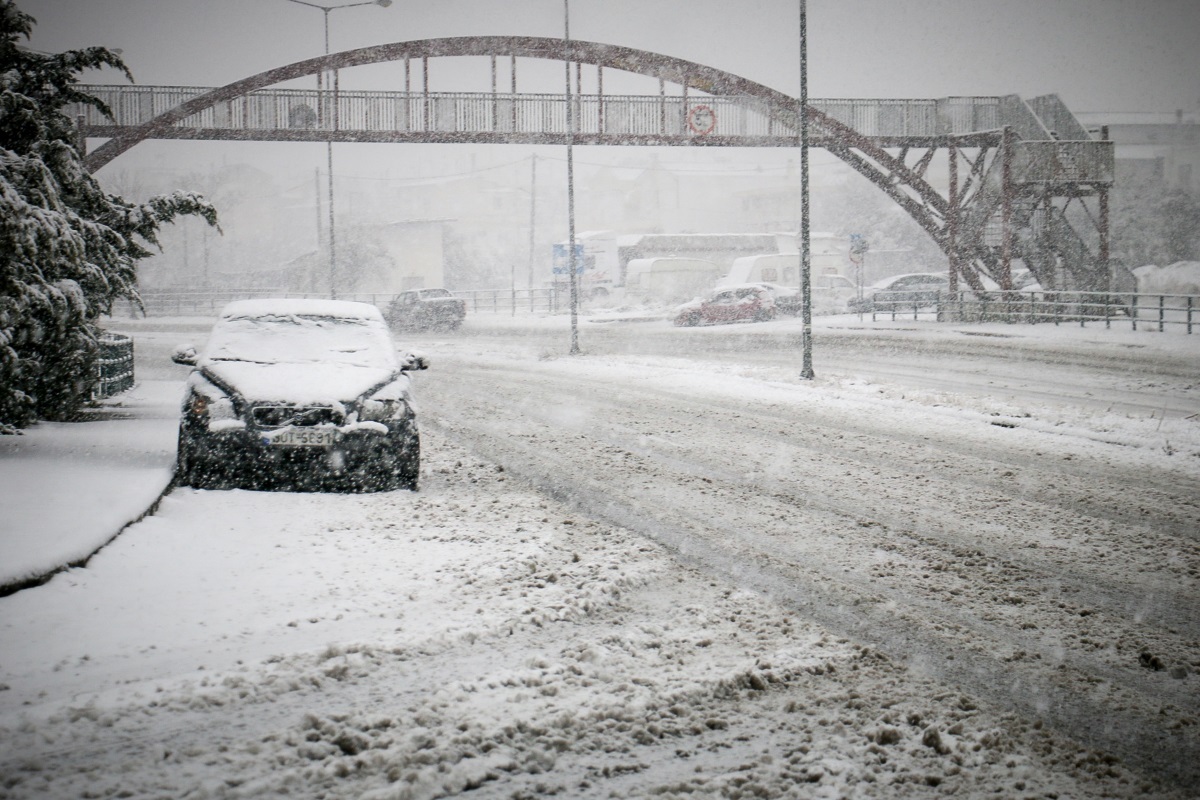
(301, 437)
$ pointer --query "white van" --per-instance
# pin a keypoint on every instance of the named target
(668, 280)
(782, 268)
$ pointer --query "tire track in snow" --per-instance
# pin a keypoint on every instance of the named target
(839, 603)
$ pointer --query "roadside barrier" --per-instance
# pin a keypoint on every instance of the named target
(1164, 313)
(114, 365)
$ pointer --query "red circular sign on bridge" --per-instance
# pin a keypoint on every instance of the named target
(702, 120)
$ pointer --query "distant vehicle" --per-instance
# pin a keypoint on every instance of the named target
(597, 264)
(750, 303)
(310, 392)
(827, 253)
(787, 299)
(916, 289)
(830, 295)
(426, 309)
(668, 280)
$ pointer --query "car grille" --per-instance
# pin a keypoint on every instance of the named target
(279, 416)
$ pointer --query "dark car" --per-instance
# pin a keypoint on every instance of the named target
(300, 393)
(427, 309)
(902, 292)
(748, 303)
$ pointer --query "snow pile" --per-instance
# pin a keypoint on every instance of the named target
(1180, 278)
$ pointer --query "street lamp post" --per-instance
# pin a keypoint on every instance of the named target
(329, 142)
(572, 266)
(806, 370)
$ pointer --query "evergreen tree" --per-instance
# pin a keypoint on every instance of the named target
(68, 250)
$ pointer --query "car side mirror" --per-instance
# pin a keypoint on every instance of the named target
(413, 361)
(184, 354)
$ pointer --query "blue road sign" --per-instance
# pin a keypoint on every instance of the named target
(559, 263)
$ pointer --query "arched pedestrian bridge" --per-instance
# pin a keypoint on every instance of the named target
(1022, 173)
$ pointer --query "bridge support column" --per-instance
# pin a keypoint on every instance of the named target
(1008, 191)
(952, 222)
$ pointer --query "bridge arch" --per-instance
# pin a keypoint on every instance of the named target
(693, 75)
(869, 156)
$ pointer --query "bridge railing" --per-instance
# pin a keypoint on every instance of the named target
(281, 109)
(1155, 312)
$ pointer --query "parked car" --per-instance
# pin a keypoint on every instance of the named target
(830, 294)
(787, 299)
(749, 303)
(426, 309)
(901, 292)
(303, 393)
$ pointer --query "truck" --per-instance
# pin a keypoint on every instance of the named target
(598, 266)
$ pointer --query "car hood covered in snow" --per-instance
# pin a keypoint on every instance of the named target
(300, 384)
(301, 352)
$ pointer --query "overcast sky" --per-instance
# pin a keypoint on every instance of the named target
(1098, 55)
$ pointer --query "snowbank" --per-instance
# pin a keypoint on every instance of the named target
(1182, 277)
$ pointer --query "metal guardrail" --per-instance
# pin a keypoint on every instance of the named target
(511, 301)
(383, 116)
(280, 108)
(158, 304)
(114, 365)
(1160, 312)
(207, 304)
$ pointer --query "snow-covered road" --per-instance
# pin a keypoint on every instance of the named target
(669, 568)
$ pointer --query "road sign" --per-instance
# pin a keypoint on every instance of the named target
(559, 262)
(702, 120)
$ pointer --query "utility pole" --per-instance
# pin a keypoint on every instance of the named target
(532, 217)
(572, 266)
(333, 115)
(806, 371)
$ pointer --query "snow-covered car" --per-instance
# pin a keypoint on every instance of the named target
(300, 392)
(748, 303)
(787, 299)
(427, 309)
(901, 292)
(830, 294)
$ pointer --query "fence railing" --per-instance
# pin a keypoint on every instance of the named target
(497, 301)
(163, 304)
(1160, 312)
(280, 108)
(114, 366)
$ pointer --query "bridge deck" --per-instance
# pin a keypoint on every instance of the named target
(489, 117)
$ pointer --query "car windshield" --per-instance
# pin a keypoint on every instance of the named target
(299, 339)
(436, 293)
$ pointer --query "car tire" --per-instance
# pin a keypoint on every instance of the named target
(401, 470)
(188, 466)
(408, 466)
(689, 321)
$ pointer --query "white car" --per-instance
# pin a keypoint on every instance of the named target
(305, 393)
(907, 291)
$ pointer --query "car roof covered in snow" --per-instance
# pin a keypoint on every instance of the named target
(294, 306)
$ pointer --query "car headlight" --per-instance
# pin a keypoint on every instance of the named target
(207, 408)
(375, 409)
